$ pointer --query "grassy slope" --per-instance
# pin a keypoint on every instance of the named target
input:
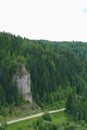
(59, 119)
(20, 111)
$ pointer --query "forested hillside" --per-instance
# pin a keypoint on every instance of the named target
(56, 69)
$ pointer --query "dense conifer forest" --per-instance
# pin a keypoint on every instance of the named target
(58, 72)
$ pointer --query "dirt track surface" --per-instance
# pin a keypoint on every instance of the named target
(33, 116)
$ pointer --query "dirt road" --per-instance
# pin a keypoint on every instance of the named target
(33, 116)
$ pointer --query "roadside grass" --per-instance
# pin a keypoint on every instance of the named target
(11, 113)
(23, 124)
(57, 118)
(19, 112)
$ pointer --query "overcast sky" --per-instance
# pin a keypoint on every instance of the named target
(56, 20)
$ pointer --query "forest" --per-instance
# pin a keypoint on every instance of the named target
(58, 72)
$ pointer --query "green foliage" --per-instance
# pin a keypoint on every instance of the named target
(3, 126)
(60, 121)
(43, 125)
(73, 127)
(77, 107)
(3, 111)
(47, 117)
(56, 69)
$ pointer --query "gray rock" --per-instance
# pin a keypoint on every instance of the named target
(23, 80)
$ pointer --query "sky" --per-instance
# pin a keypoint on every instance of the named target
(56, 20)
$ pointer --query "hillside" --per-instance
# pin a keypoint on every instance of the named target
(56, 69)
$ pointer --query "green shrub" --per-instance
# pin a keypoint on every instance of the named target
(47, 117)
(3, 126)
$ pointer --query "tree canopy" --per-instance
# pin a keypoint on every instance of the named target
(56, 68)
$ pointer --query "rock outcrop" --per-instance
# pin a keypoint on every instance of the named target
(22, 78)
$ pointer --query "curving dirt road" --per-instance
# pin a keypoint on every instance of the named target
(33, 116)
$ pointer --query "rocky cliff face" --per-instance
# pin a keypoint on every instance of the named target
(22, 78)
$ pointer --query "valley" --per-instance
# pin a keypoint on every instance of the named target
(41, 75)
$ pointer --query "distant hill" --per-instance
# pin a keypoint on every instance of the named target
(56, 69)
